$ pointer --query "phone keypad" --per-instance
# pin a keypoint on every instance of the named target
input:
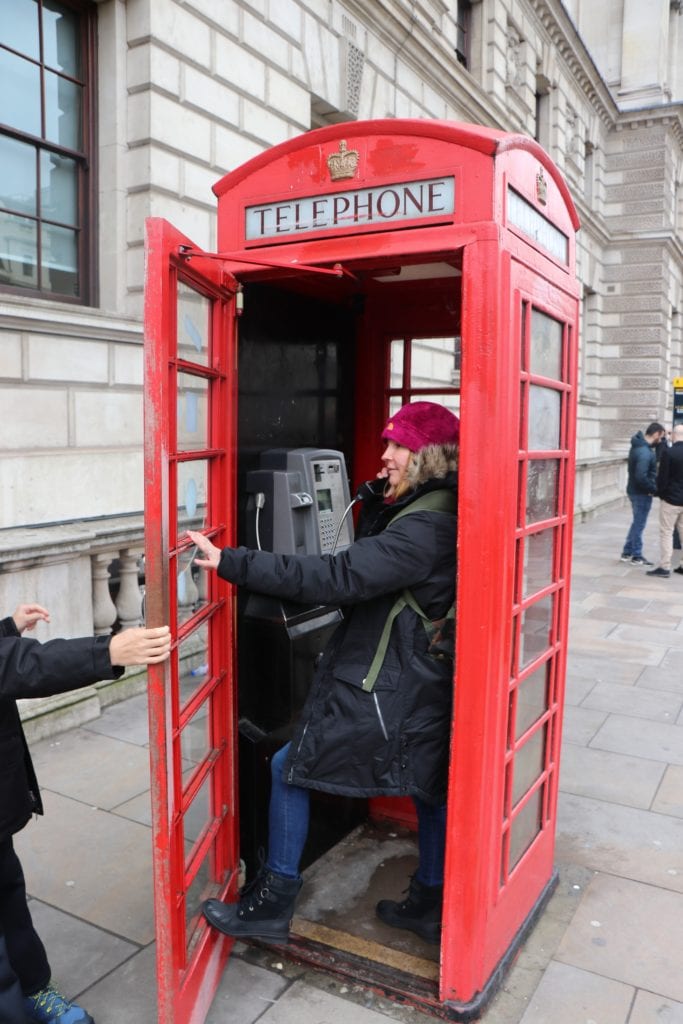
(328, 530)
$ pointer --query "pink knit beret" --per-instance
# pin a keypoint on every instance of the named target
(421, 423)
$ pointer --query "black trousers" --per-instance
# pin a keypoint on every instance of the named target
(24, 967)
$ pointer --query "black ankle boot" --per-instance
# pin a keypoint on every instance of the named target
(419, 913)
(264, 910)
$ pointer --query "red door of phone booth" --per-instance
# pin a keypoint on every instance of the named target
(189, 426)
(447, 252)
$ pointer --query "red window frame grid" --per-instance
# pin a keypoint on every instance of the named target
(209, 693)
(404, 391)
(558, 522)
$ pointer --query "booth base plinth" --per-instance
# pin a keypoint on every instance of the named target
(336, 930)
(473, 1009)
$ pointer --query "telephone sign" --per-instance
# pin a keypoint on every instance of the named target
(387, 204)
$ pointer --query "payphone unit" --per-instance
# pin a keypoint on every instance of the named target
(300, 502)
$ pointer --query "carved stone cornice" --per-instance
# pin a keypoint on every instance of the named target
(669, 117)
(570, 48)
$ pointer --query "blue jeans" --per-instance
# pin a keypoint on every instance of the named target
(288, 820)
(641, 505)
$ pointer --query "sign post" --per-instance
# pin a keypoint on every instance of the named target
(678, 400)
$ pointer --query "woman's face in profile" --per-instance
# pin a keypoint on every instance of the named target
(395, 459)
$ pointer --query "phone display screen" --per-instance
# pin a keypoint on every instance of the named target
(324, 497)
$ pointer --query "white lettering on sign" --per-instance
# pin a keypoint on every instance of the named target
(384, 204)
(525, 217)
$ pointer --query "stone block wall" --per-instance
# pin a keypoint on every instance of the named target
(643, 278)
(70, 390)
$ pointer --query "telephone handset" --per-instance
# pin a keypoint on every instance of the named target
(299, 502)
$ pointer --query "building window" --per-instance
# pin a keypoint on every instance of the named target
(46, 146)
(542, 119)
(463, 23)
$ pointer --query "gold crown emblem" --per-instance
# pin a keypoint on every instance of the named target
(344, 163)
(541, 188)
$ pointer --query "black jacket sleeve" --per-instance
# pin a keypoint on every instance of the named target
(31, 669)
(401, 556)
(663, 473)
(8, 627)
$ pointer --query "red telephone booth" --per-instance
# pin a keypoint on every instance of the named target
(361, 266)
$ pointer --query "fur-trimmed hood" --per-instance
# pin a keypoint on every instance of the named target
(433, 462)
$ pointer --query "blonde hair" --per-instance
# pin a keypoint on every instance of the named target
(433, 462)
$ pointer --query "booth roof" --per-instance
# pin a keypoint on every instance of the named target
(489, 141)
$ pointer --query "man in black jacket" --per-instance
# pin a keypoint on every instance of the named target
(641, 486)
(670, 492)
(32, 669)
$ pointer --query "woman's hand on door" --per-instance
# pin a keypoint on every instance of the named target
(212, 554)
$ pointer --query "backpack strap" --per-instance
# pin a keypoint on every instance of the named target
(433, 501)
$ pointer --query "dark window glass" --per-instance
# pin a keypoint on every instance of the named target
(46, 69)
(462, 46)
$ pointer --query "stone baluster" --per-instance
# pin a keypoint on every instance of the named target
(187, 592)
(129, 597)
(103, 608)
(202, 586)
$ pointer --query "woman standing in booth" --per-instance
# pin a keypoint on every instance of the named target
(377, 719)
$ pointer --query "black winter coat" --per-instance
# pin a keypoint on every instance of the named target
(31, 669)
(670, 475)
(642, 466)
(393, 740)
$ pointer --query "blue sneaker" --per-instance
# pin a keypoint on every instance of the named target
(48, 1006)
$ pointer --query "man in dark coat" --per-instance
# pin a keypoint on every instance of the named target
(32, 669)
(377, 717)
(641, 486)
(670, 492)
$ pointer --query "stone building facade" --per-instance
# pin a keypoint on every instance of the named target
(154, 100)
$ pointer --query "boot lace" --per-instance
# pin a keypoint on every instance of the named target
(50, 1000)
(255, 891)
